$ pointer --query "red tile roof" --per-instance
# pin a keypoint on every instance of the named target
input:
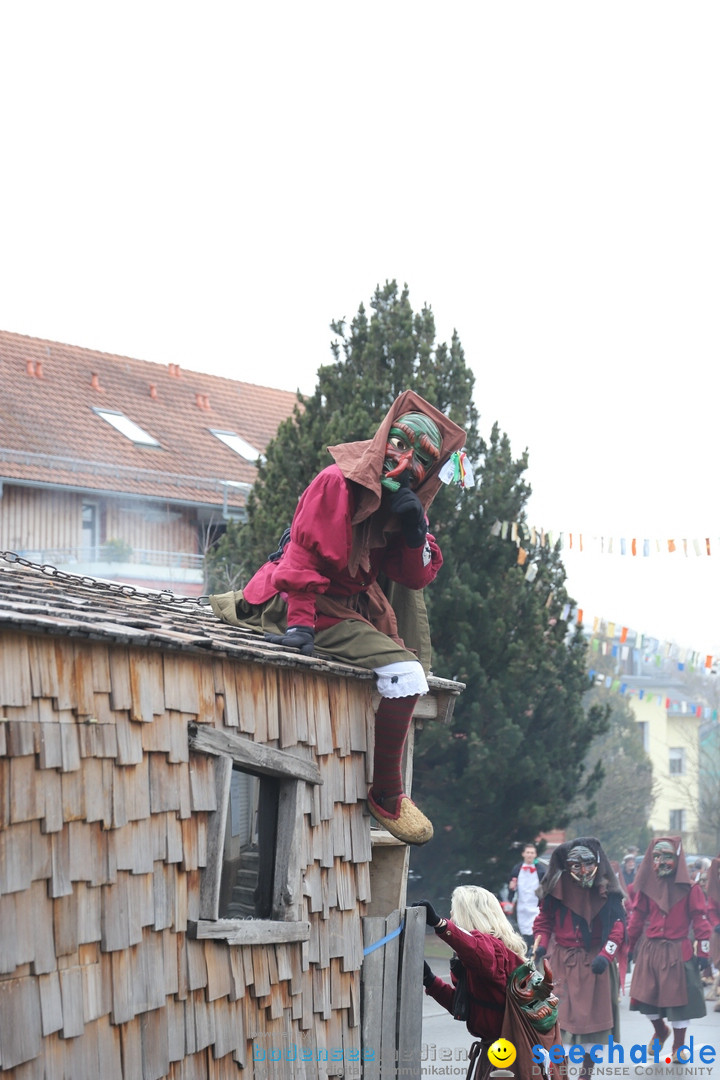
(49, 433)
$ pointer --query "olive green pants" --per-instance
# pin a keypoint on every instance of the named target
(351, 640)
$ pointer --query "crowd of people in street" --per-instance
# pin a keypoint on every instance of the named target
(582, 925)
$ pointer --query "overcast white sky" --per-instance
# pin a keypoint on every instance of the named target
(212, 183)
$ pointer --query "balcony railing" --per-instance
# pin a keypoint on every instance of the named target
(118, 562)
(106, 553)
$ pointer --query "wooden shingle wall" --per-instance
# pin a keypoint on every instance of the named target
(104, 816)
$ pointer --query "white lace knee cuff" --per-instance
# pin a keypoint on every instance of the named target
(404, 679)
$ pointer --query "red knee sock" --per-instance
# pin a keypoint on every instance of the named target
(661, 1033)
(587, 1067)
(678, 1038)
(392, 723)
(661, 1028)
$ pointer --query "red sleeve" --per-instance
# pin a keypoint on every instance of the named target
(442, 992)
(476, 950)
(544, 925)
(636, 922)
(320, 537)
(413, 567)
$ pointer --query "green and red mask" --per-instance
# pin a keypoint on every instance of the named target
(664, 859)
(532, 990)
(582, 864)
(413, 447)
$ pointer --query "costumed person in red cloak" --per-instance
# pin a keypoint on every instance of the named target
(360, 518)
(666, 979)
(495, 989)
(581, 927)
(626, 875)
(713, 906)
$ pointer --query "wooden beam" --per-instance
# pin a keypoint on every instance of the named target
(287, 879)
(256, 756)
(437, 705)
(252, 931)
(211, 875)
(410, 1009)
(382, 838)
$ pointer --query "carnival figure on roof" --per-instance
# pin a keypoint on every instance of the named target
(361, 521)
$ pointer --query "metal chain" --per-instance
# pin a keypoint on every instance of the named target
(165, 596)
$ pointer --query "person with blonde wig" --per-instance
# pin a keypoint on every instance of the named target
(495, 989)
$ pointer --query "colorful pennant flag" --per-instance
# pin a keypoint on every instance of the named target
(525, 538)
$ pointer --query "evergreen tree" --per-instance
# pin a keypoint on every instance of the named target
(513, 758)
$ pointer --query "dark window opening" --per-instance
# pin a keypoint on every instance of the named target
(89, 530)
(247, 880)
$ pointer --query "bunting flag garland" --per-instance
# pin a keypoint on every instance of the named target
(652, 649)
(680, 707)
(604, 545)
(613, 639)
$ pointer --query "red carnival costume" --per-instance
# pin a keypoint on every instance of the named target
(665, 982)
(314, 574)
(363, 517)
(494, 989)
(581, 926)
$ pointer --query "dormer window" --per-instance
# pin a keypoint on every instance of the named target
(127, 427)
(236, 443)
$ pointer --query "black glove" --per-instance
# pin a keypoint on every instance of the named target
(704, 963)
(539, 953)
(428, 974)
(431, 916)
(405, 503)
(296, 637)
(283, 542)
(599, 964)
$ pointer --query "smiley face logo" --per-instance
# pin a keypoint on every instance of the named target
(502, 1053)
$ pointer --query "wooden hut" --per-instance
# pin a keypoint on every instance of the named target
(190, 884)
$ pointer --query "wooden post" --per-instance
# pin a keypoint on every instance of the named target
(411, 993)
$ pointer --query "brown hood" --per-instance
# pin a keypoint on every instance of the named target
(558, 883)
(665, 892)
(362, 463)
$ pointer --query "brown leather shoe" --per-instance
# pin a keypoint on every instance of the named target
(407, 824)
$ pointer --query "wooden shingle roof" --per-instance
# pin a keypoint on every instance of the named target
(51, 435)
(44, 600)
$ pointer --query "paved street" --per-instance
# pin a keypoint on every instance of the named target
(446, 1042)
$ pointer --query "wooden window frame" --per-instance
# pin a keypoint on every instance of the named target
(678, 758)
(292, 772)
